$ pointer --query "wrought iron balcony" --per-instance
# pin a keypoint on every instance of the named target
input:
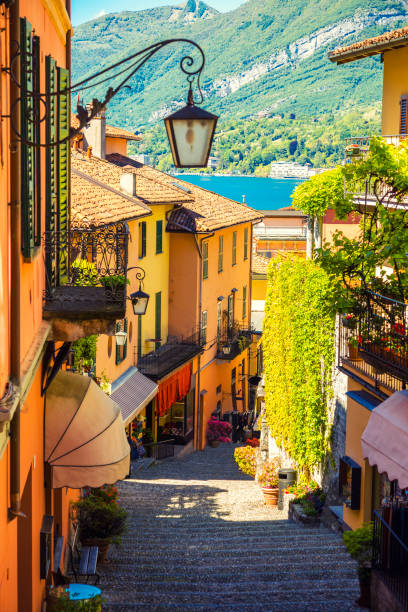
(357, 149)
(169, 356)
(375, 345)
(234, 341)
(86, 273)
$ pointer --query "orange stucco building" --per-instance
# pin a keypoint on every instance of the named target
(368, 384)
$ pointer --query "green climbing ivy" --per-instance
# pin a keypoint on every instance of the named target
(298, 341)
(323, 191)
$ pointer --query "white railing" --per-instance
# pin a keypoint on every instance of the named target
(275, 231)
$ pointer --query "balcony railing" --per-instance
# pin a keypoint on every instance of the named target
(376, 345)
(234, 341)
(86, 273)
(390, 558)
(273, 232)
(169, 356)
(357, 149)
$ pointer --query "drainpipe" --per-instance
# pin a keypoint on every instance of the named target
(200, 306)
(15, 263)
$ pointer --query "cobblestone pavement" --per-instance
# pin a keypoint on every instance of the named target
(200, 538)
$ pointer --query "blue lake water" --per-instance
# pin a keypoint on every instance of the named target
(260, 193)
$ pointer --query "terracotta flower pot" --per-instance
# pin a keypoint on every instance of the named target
(353, 352)
(271, 496)
(214, 443)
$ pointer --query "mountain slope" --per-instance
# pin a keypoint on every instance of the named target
(266, 57)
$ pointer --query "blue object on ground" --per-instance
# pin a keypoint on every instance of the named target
(79, 592)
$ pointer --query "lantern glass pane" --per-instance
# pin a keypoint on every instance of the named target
(193, 138)
(139, 305)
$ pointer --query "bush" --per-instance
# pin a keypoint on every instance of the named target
(254, 442)
(310, 497)
(98, 519)
(359, 544)
(245, 456)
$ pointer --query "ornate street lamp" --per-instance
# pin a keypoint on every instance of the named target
(139, 298)
(190, 130)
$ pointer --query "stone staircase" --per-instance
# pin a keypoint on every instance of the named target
(200, 538)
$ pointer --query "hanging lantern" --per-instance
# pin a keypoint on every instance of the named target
(139, 301)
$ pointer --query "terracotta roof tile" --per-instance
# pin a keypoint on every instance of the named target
(203, 210)
(371, 46)
(111, 130)
(259, 263)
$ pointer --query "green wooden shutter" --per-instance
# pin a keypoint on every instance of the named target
(403, 114)
(157, 331)
(204, 327)
(63, 173)
(159, 236)
(37, 139)
(125, 329)
(230, 311)
(219, 319)
(220, 253)
(234, 248)
(205, 260)
(51, 169)
(244, 302)
(246, 243)
(142, 239)
(118, 359)
(139, 336)
(27, 132)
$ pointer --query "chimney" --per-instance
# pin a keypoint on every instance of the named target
(128, 183)
(95, 135)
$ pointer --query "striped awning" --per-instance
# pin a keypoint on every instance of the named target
(132, 392)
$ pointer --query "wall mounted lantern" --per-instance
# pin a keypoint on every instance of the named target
(139, 298)
(190, 130)
(121, 337)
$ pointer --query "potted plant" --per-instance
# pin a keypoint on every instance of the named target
(268, 479)
(353, 344)
(359, 544)
(218, 431)
(350, 320)
(58, 600)
(245, 456)
(114, 285)
(101, 520)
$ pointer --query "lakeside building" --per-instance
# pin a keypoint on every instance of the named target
(195, 339)
(375, 467)
(44, 306)
(287, 169)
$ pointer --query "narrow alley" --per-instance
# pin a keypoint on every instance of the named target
(200, 538)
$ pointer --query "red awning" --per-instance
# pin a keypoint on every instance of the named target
(173, 389)
(384, 441)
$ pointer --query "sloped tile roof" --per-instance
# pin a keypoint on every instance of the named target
(149, 190)
(95, 203)
(259, 263)
(371, 46)
(111, 130)
(203, 210)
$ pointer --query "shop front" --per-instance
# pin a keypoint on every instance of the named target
(175, 407)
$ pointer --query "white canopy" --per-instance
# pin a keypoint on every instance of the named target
(384, 441)
(85, 440)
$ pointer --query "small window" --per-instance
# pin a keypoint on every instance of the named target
(159, 237)
(204, 327)
(234, 248)
(220, 253)
(142, 239)
(246, 243)
(205, 260)
(244, 302)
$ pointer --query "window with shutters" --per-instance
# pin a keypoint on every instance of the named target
(219, 319)
(28, 129)
(403, 114)
(220, 253)
(244, 302)
(205, 260)
(159, 237)
(142, 239)
(121, 351)
(51, 169)
(63, 153)
(157, 329)
(204, 327)
(234, 248)
(246, 243)
(230, 312)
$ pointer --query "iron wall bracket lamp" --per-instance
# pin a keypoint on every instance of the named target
(190, 129)
(139, 298)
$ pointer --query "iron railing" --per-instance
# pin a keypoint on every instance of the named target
(357, 149)
(176, 351)
(376, 343)
(86, 272)
(390, 558)
(233, 341)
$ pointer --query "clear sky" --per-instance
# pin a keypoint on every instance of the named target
(84, 11)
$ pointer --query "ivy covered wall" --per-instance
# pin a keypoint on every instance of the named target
(299, 349)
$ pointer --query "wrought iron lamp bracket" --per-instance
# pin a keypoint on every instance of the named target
(189, 66)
